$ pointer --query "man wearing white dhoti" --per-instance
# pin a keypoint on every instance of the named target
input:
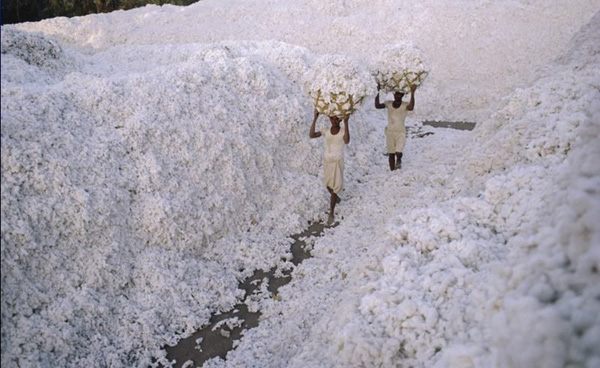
(336, 137)
(395, 131)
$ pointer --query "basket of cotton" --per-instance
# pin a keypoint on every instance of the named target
(399, 67)
(337, 85)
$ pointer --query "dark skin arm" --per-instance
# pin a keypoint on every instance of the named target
(411, 104)
(378, 105)
(312, 133)
(346, 130)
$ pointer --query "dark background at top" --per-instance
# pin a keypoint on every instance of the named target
(17, 11)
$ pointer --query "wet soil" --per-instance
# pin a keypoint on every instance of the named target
(421, 131)
(460, 125)
(217, 337)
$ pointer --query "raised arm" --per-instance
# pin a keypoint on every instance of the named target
(411, 104)
(346, 130)
(312, 133)
(378, 105)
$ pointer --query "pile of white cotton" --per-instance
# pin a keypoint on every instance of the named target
(337, 85)
(399, 67)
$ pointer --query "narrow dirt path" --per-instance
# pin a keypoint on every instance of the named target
(217, 337)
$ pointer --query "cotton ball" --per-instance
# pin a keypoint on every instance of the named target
(337, 85)
(216, 54)
(188, 364)
(400, 66)
(591, 339)
(431, 316)
(408, 307)
(460, 356)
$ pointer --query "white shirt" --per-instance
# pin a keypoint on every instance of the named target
(396, 116)
(334, 144)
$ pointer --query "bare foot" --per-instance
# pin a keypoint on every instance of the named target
(330, 220)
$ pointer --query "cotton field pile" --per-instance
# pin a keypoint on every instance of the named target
(488, 258)
(153, 158)
(143, 194)
(478, 50)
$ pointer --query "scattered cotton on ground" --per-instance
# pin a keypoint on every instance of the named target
(153, 158)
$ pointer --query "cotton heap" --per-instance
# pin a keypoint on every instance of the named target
(399, 67)
(154, 158)
(337, 85)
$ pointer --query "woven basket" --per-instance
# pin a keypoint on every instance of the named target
(339, 104)
(399, 66)
(400, 80)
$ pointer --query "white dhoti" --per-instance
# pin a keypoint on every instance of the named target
(395, 140)
(333, 162)
(395, 132)
(334, 174)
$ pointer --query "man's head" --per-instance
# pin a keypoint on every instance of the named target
(335, 120)
(398, 96)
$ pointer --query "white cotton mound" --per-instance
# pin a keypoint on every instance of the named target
(508, 277)
(33, 58)
(485, 257)
(145, 162)
(400, 66)
(478, 50)
(337, 85)
(132, 200)
(545, 193)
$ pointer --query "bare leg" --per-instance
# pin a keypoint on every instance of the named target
(398, 160)
(332, 201)
(392, 163)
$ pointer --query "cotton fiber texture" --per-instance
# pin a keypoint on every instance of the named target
(399, 67)
(337, 85)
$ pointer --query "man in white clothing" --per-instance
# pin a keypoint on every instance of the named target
(336, 137)
(395, 131)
